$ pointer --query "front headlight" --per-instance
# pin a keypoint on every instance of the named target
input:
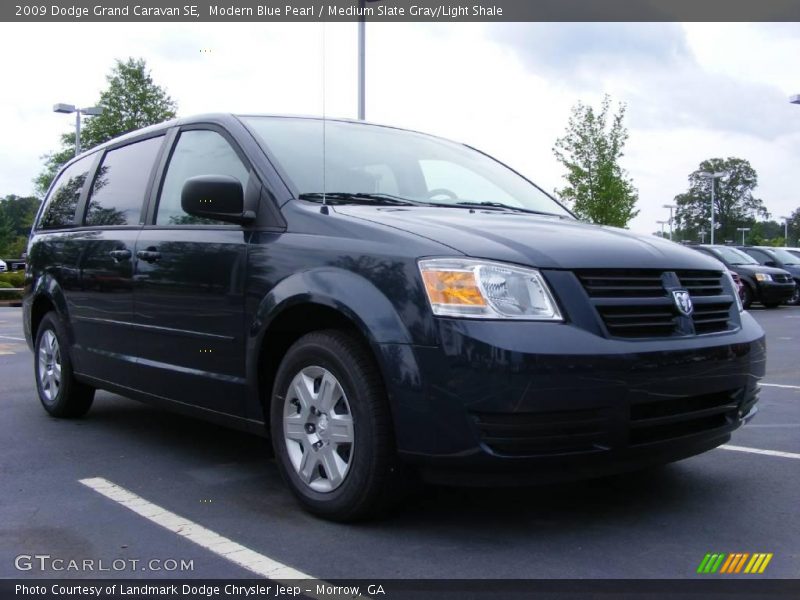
(480, 289)
(763, 276)
(735, 289)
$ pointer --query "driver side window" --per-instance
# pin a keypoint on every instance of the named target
(197, 152)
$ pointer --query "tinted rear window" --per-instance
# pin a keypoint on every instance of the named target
(59, 212)
(119, 187)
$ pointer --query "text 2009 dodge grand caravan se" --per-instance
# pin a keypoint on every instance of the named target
(399, 304)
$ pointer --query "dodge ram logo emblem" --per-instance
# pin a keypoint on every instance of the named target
(683, 301)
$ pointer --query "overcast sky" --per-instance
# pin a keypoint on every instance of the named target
(693, 91)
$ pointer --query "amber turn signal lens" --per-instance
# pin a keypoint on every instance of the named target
(453, 287)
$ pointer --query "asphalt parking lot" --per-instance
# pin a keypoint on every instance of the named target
(657, 524)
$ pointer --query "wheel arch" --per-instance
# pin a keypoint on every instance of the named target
(311, 301)
(46, 296)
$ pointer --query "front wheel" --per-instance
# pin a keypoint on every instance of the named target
(331, 428)
(795, 299)
(60, 394)
(747, 296)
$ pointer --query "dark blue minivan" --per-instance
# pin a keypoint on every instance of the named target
(383, 304)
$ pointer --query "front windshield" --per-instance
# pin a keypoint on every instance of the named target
(373, 161)
(785, 256)
(732, 256)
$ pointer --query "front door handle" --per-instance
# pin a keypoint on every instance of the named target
(120, 255)
(150, 255)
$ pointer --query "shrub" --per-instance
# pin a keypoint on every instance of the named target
(16, 279)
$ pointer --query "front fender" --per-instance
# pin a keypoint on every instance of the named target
(351, 294)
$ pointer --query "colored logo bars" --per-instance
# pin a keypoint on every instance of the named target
(735, 563)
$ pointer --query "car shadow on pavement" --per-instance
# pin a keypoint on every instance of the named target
(553, 508)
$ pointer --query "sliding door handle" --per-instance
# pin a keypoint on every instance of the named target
(149, 255)
(120, 255)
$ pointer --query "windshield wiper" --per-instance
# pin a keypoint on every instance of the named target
(496, 206)
(359, 198)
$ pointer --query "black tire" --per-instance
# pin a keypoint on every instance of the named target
(72, 398)
(771, 304)
(747, 296)
(373, 480)
(795, 299)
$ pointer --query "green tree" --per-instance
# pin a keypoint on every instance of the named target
(6, 233)
(16, 218)
(764, 233)
(20, 212)
(794, 228)
(131, 101)
(734, 203)
(598, 189)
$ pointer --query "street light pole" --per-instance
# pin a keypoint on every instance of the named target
(362, 56)
(71, 108)
(785, 231)
(77, 132)
(743, 230)
(362, 27)
(713, 177)
(670, 207)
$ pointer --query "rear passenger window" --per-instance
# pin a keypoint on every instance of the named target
(198, 152)
(119, 187)
(63, 200)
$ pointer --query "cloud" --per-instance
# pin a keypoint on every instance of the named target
(572, 49)
(651, 67)
(693, 91)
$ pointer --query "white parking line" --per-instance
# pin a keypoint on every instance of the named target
(760, 451)
(780, 385)
(8, 337)
(211, 541)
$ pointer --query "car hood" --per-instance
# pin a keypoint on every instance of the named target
(795, 271)
(540, 241)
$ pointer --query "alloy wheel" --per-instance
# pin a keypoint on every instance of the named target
(49, 366)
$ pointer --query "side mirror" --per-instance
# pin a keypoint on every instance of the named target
(217, 197)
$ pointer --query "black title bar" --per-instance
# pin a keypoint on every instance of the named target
(402, 589)
(398, 10)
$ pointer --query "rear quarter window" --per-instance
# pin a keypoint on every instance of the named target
(119, 187)
(60, 206)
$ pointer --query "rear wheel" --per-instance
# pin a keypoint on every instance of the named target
(331, 427)
(60, 394)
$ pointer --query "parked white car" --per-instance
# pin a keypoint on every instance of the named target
(3, 266)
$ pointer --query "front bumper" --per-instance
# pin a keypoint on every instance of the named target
(772, 292)
(512, 402)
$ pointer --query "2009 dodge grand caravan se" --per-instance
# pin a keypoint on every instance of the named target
(395, 304)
